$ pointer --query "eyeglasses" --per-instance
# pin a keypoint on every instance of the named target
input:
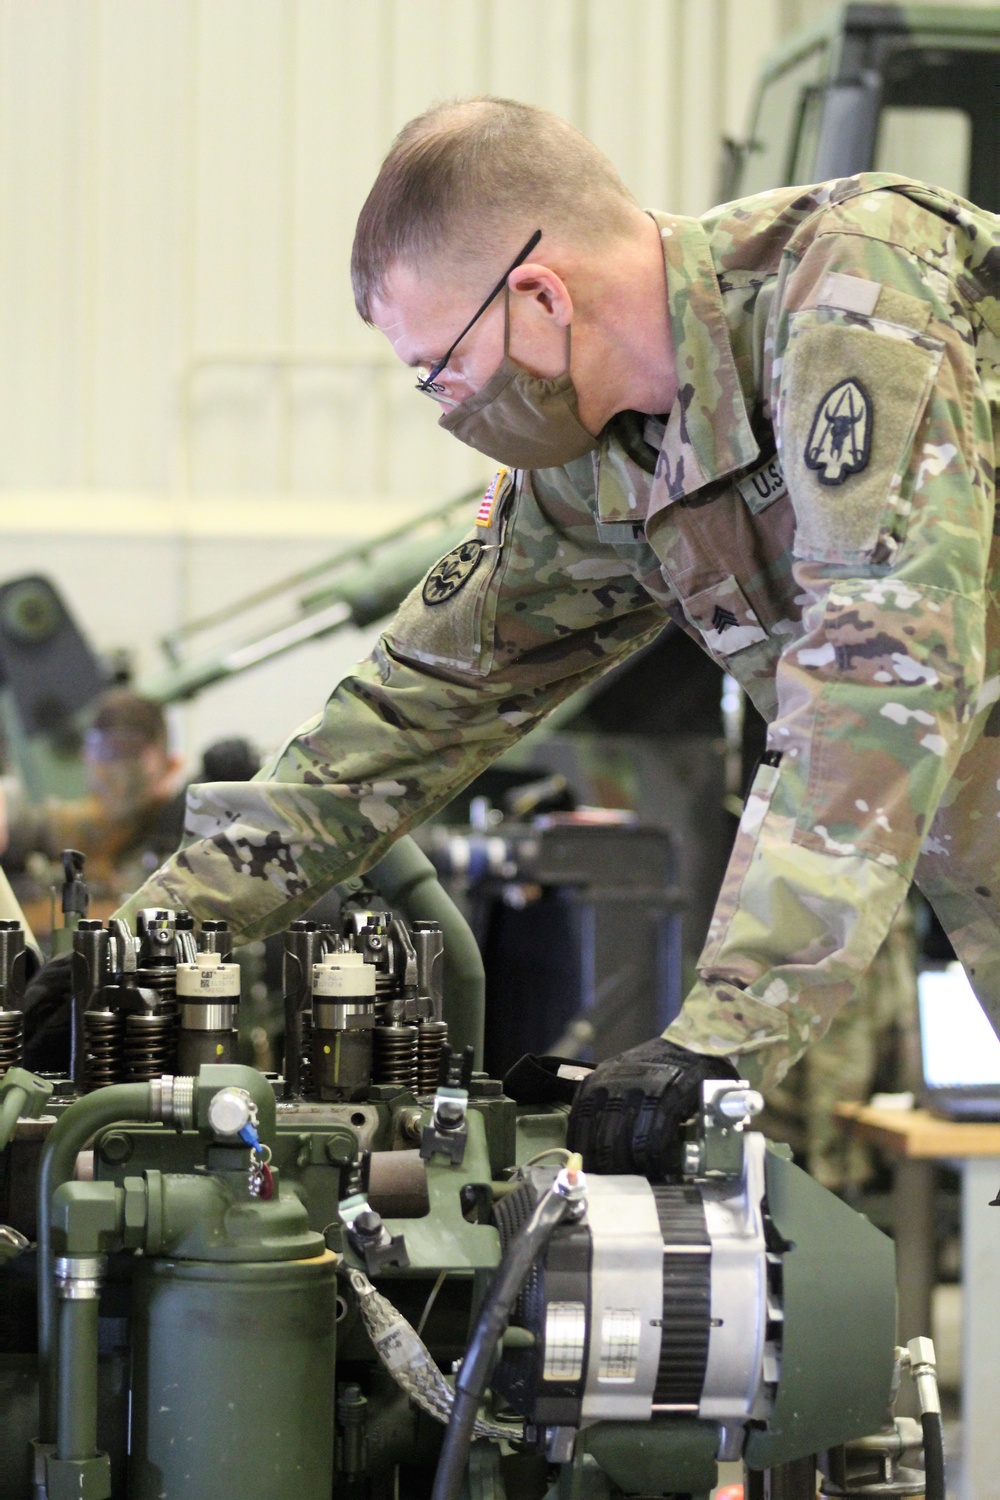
(427, 383)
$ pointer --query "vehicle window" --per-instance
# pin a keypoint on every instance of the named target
(932, 144)
(772, 146)
(941, 121)
(807, 137)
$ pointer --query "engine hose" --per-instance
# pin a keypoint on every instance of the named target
(71, 1132)
(406, 877)
(491, 1324)
(934, 1479)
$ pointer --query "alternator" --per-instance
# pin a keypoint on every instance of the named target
(664, 1299)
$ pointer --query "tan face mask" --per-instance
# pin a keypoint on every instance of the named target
(520, 419)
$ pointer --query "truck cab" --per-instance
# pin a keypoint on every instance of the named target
(911, 89)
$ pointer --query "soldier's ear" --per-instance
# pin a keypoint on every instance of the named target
(546, 291)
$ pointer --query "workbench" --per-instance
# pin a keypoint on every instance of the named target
(918, 1139)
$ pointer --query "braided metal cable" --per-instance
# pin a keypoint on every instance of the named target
(409, 1361)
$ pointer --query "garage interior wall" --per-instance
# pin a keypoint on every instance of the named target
(189, 405)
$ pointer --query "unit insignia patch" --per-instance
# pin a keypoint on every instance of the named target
(840, 437)
(455, 569)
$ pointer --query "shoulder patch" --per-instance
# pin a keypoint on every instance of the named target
(452, 572)
(839, 439)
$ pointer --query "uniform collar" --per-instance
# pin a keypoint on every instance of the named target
(708, 431)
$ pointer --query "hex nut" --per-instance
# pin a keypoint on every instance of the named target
(116, 1148)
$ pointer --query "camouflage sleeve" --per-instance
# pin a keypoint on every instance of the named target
(531, 607)
(884, 430)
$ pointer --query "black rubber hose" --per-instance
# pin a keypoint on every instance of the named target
(491, 1324)
(934, 1481)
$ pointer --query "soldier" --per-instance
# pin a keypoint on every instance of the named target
(774, 425)
(132, 814)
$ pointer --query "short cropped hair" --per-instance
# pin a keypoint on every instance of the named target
(129, 720)
(482, 172)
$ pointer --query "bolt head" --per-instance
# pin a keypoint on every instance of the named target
(116, 1148)
(339, 1150)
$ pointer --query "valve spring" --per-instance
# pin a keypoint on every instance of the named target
(105, 1057)
(11, 1038)
(385, 984)
(159, 977)
(395, 1059)
(431, 1037)
(306, 1065)
(150, 1047)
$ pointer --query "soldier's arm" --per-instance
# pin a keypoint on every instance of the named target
(531, 609)
(879, 697)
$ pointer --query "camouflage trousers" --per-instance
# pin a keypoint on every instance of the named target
(872, 1043)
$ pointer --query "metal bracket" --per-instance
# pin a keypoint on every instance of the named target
(446, 1132)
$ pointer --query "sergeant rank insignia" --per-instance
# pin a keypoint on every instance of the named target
(840, 437)
(452, 572)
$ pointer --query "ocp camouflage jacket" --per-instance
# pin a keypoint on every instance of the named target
(819, 516)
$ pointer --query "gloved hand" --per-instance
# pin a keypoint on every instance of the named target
(545, 1080)
(47, 1001)
(627, 1114)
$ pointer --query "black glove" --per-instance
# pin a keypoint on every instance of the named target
(47, 1004)
(627, 1114)
(545, 1080)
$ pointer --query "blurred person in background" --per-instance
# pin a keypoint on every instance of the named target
(131, 816)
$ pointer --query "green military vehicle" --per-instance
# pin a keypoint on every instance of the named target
(886, 88)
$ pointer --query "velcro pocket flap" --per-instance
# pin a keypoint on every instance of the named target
(724, 617)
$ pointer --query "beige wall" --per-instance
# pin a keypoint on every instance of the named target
(187, 399)
(179, 181)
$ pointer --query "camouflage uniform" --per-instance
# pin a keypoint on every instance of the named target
(849, 336)
(872, 1043)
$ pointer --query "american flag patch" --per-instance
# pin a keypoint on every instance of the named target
(488, 504)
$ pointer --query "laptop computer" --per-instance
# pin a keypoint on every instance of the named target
(959, 1050)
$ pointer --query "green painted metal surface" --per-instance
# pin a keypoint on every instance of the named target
(674, 1455)
(444, 1239)
(839, 1296)
(233, 1380)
